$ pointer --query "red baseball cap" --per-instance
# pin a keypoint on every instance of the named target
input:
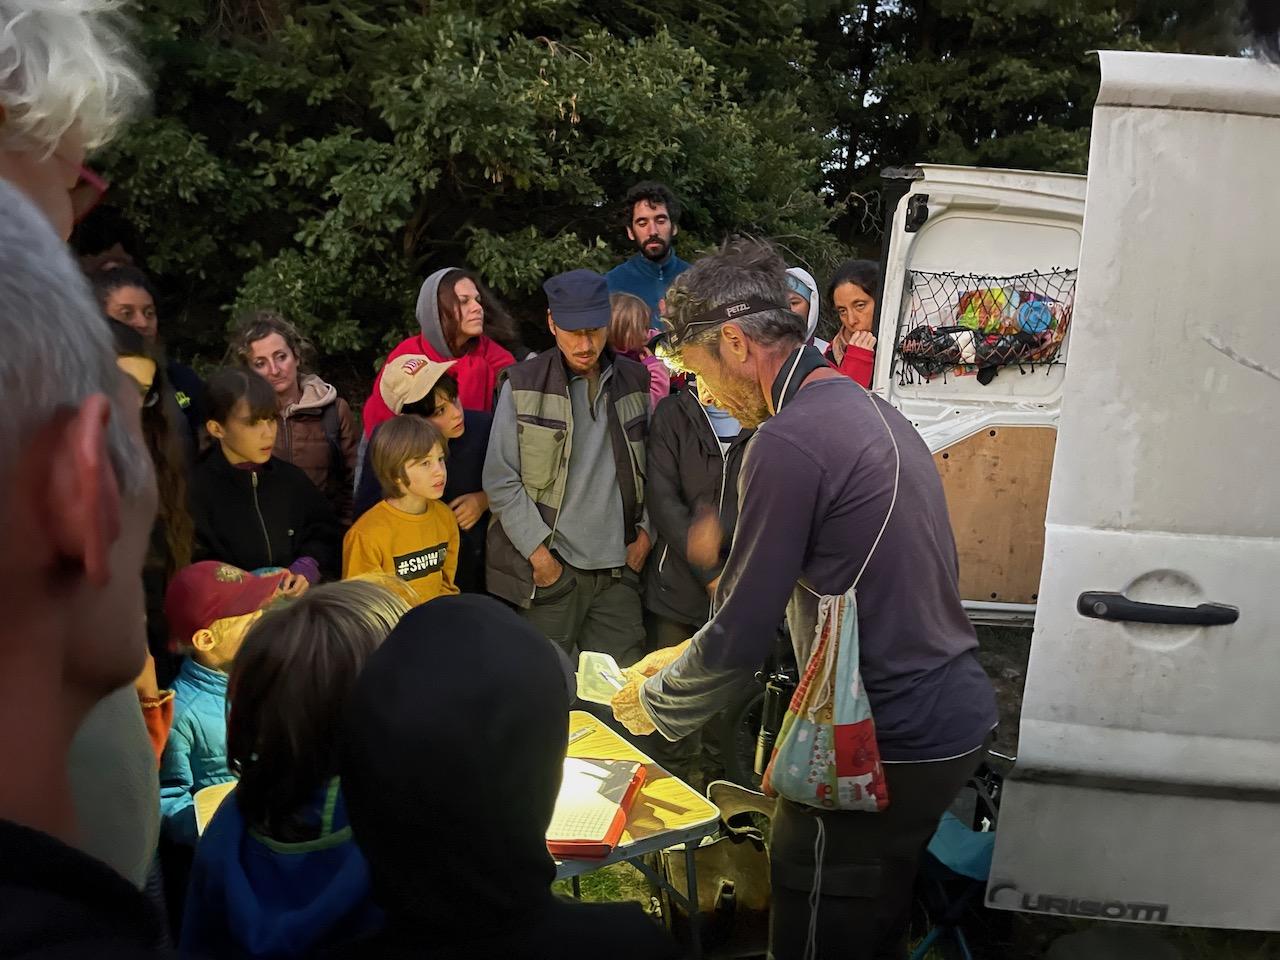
(212, 590)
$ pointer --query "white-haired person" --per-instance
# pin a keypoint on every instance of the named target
(69, 80)
(77, 499)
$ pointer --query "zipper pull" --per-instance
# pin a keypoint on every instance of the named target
(253, 476)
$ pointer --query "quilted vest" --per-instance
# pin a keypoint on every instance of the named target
(544, 418)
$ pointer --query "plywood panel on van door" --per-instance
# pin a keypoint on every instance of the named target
(997, 488)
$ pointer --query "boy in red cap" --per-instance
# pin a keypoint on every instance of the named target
(210, 607)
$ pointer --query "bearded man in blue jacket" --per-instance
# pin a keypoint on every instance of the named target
(653, 220)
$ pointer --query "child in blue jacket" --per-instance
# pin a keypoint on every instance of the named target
(277, 873)
(209, 607)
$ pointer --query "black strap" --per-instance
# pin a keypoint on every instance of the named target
(802, 362)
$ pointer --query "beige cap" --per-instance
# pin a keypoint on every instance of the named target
(410, 377)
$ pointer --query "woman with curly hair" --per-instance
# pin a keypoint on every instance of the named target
(318, 433)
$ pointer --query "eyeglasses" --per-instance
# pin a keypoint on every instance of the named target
(87, 194)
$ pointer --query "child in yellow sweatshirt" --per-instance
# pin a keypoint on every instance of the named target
(410, 534)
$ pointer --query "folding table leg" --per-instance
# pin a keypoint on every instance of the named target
(695, 916)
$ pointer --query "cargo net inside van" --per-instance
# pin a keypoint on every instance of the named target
(963, 325)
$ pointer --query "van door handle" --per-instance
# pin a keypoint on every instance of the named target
(1100, 605)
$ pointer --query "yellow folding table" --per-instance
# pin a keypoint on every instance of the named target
(667, 813)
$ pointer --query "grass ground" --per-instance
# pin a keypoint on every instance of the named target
(618, 882)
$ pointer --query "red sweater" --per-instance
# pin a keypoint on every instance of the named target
(857, 364)
(476, 372)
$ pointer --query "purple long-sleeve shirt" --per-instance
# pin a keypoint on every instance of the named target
(814, 491)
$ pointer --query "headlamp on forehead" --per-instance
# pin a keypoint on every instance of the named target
(668, 343)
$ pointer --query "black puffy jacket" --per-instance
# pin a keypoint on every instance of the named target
(686, 473)
(267, 517)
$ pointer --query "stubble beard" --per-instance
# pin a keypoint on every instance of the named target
(755, 415)
(742, 399)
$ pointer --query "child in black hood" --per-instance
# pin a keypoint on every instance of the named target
(450, 767)
(252, 509)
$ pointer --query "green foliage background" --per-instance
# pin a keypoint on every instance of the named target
(323, 157)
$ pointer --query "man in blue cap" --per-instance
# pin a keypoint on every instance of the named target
(565, 480)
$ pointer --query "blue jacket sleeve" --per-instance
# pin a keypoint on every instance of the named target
(177, 803)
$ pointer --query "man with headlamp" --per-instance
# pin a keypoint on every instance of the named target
(837, 491)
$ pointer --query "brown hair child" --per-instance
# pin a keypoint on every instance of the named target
(410, 534)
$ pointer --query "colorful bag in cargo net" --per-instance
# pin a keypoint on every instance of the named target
(962, 324)
(826, 755)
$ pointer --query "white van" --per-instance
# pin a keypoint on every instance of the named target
(1147, 786)
(979, 288)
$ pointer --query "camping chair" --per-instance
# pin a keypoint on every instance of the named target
(954, 872)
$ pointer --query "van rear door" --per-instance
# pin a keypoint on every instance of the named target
(1147, 786)
(995, 251)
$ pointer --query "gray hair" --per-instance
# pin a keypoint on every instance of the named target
(64, 62)
(740, 269)
(56, 349)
